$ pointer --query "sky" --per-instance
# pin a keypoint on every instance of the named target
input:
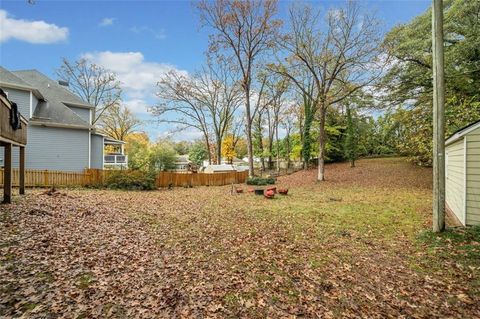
(138, 40)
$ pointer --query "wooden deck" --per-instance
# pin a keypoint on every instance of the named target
(10, 136)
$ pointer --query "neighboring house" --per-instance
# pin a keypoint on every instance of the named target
(235, 161)
(60, 133)
(182, 164)
(223, 168)
(462, 168)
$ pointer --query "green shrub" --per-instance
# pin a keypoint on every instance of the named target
(130, 180)
(260, 180)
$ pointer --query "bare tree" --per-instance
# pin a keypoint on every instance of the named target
(275, 89)
(118, 122)
(206, 101)
(257, 134)
(237, 129)
(289, 120)
(340, 60)
(92, 83)
(246, 29)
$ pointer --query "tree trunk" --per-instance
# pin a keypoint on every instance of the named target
(288, 150)
(278, 150)
(251, 171)
(438, 118)
(219, 152)
(321, 146)
(306, 147)
(207, 143)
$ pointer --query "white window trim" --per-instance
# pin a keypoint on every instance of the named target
(90, 141)
(103, 152)
(31, 104)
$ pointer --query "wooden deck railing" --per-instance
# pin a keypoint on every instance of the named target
(46, 178)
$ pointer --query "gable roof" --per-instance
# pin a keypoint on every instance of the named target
(10, 80)
(182, 159)
(53, 108)
(462, 132)
(7, 77)
(50, 88)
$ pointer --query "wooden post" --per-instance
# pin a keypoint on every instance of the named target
(22, 171)
(45, 177)
(438, 118)
(7, 175)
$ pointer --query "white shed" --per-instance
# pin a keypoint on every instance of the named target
(462, 161)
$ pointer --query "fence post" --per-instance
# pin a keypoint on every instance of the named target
(45, 177)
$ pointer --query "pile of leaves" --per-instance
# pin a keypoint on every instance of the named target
(341, 249)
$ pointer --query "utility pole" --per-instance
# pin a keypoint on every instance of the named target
(438, 118)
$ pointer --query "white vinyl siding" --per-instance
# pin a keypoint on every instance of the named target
(97, 152)
(455, 181)
(473, 177)
(22, 98)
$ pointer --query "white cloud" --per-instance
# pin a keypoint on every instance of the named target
(106, 22)
(138, 77)
(38, 32)
(137, 106)
(157, 34)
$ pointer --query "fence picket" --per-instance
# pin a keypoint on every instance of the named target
(45, 178)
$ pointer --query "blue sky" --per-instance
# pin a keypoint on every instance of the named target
(139, 40)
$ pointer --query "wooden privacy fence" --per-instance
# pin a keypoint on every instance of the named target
(45, 178)
(165, 179)
(41, 178)
(179, 179)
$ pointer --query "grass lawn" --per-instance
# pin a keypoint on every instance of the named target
(357, 245)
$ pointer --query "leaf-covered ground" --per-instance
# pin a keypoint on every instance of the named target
(357, 245)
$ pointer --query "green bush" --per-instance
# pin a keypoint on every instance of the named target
(260, 180)
(130, 180)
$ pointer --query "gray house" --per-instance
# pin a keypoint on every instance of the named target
(60, 133)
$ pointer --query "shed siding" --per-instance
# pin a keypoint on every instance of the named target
(455, 182)
(22, 98)
(82, 112)
(473, 177)
(97, 152)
